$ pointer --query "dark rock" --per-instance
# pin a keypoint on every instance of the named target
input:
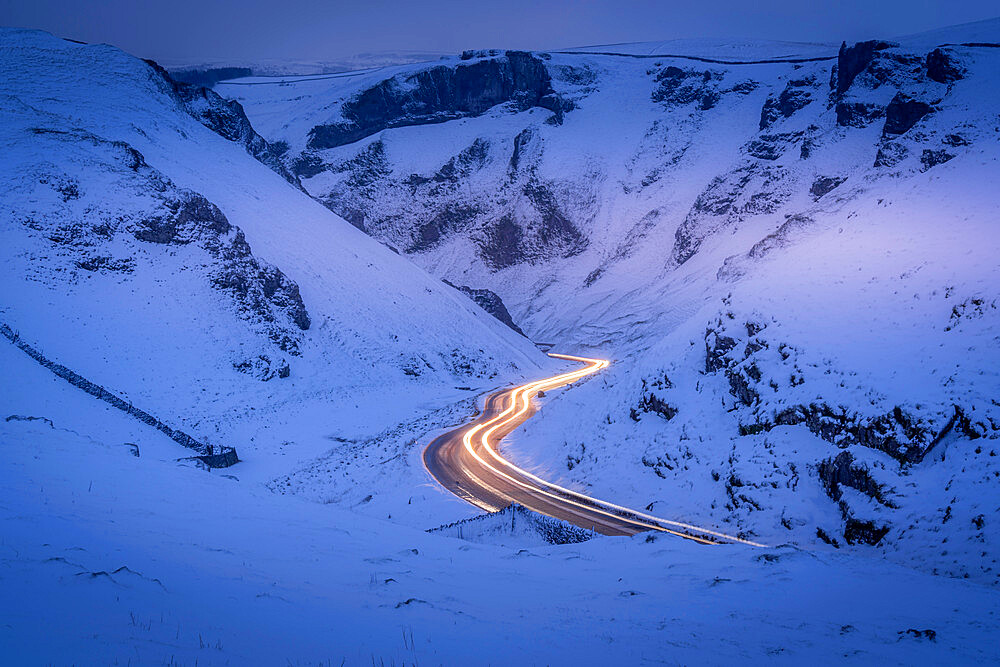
(771, 146)
(955, 140)
(944, 67)
(520, 142)
(823, 535)
(261, 291)
(741, 383)
(650, 402)
(224, 117)
(858, 114)
(852, 60)
(501, 246)
(792, 98)
(442, 93)
(263, 368)
(896, 433)
(308, 164)
(918, 634)
(903, 113)
(857, 531)
(890, 153)
(491, 302)
(677, 87)
(842, 471)
(824, 185)
(452, 217)
(717, 347)
(931, 158)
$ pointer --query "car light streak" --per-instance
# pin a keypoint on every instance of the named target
(454, 460)
(514, 414)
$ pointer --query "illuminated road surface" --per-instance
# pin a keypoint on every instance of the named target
(468, 463)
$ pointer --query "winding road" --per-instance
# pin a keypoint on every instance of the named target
(467, 462)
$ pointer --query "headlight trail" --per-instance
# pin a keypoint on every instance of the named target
(492, 482)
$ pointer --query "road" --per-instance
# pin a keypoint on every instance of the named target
(467, 462)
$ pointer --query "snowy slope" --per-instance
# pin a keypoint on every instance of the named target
(788, 262)
(156, 258)
(111, 558)
(715, 49)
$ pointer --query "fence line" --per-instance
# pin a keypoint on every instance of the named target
(213, 457)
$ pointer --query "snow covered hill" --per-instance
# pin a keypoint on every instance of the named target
(793, 264)
(148, 244)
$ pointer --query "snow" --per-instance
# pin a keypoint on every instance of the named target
(884, 287)
(314, 548)
(159, 335)
(107, 557)
(728, 50)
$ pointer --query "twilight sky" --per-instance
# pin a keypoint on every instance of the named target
(245, 30)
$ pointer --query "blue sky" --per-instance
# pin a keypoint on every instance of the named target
(316, 30)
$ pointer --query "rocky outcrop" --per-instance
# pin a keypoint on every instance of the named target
(842, 470)
(751, 189)
(261, 291)
(678, 87)
(796, 95)
(903, 113)
(852, 60)
(931, 158)
(491, 302)
(541, 231)
(943, 66)
(650, 402)
(858, 114)
(900, 433)
(163, 214)
(442, 93)
(224, 117)
(824, 185)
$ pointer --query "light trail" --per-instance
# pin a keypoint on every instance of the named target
(514, 484)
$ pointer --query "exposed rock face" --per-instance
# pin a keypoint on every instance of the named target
(650, 402)
(944, 67)
(442, 93)
(224, 117)
(900, 433)
(795, 96)
(930, 158)
(824, 185)
(842, 471)
(858, 114)
(163, 214)
(491, 302)
(852, 60)
(678, 87)
(750, 189)
(903, 113)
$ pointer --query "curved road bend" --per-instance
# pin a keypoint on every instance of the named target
(467, 462)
